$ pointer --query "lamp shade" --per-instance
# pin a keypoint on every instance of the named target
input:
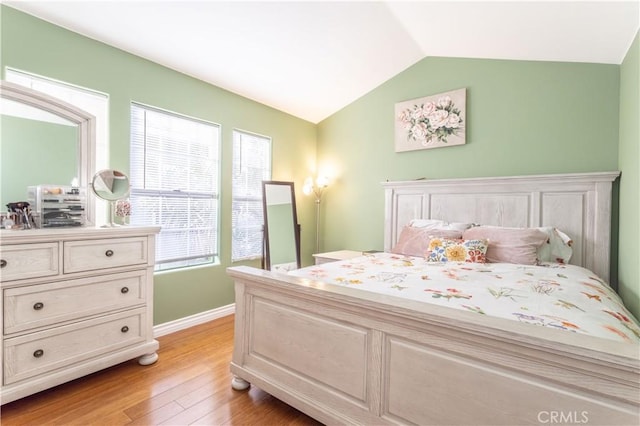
(322, 181)
(307, 188)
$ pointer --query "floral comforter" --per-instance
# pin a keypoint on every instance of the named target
(565, 297)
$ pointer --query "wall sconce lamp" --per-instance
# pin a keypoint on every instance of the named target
(316, 188)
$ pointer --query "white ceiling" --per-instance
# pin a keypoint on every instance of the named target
(310, 59)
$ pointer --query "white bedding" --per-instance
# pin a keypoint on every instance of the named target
(565, 297)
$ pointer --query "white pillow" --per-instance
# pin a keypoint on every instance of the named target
(439, 224)
(427, 223)
(460, 226)
(557, 249)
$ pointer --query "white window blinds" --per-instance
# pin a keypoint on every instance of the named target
(251, 165)
(175, 184)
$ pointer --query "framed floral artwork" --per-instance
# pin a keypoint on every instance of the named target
(431, 122)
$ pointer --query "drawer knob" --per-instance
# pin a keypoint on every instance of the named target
(3, 263)
(124, 290)
(37, 306)
(38, 353)
(124, 329)
(108, 253)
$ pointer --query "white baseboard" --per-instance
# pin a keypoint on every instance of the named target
(190, 321)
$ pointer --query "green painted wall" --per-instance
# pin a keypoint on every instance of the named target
(522, 118)
(36, 46)
(629, 163)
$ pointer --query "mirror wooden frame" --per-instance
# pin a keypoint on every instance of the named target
(86, 131)
(296, 227)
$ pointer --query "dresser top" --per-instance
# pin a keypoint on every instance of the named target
(37, 235)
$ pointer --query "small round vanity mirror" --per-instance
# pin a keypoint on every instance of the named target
(110, 185)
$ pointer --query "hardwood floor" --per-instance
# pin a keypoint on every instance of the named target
(190, 384)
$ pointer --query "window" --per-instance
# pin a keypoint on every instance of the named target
(175, 184)
(251, 165)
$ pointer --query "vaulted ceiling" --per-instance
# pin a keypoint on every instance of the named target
(310, 59)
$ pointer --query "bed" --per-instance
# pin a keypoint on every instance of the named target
(346, 355)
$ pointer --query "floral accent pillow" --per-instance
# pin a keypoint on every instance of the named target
(444, 250)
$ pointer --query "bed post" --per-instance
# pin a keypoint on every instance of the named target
(238, 383)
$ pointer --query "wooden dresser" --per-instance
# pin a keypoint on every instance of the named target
(74, 301)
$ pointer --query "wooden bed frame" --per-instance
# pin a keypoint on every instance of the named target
(348, 356)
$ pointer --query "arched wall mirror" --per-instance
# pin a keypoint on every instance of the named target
(281, 229)
(44, 141)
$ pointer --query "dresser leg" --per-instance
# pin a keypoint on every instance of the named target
(239, 384)
(148, 359)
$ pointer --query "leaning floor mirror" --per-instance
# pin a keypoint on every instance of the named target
(281, 229)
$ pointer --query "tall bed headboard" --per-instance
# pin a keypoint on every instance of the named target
(579, 204)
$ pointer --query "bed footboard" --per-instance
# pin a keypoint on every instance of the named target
(350, 357)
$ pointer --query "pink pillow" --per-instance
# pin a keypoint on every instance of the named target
(415, 241)
(509, 245)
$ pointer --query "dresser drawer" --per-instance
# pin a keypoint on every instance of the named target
(41, 305)
(22, 261)
(91, 255)
(42, 352)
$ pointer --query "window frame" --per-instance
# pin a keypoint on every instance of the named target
(269, 140)
(214, 258)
